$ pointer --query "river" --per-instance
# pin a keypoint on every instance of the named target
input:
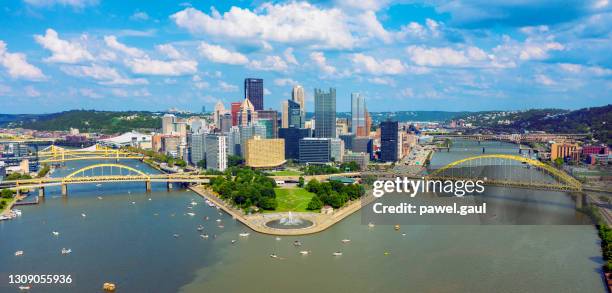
(128, 239)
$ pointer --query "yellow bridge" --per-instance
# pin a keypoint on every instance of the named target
(55, 154)
(506, 172)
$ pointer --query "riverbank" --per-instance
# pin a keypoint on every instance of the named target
(257, 222)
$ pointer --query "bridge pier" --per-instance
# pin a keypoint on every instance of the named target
(483, 150)
(169, 186)
(41, 192)
(148, 186)
(579, 200)
(64, 189)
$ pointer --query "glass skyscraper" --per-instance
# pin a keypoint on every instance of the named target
(388, 141)
(294, 115)
(325, 113)
(358, 115)
(253, 90)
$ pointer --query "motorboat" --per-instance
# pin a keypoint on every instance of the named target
(17, 212)
(337, 253)
(346, 240)
(244, 234)
(204, 236)
(98, 185)
(371, 225)
(200, 228)
(233, 241)
(304, 252)
(221, 226)
(176, 236)
(273, 255)
(55, 233)
(191, 214)
(297, 243)
(133, 202)
(396, 227)
(19, 253)
(278, 238)
(193, 203)
(66, 251)
(83, 215)
(218, 220)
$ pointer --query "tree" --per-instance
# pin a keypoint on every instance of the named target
(315, 203)
(233, 160)
(6, 193)
(301, 182)
(181, 163)
(268, 203)
(202, 163)
(559, 162)
(312, 186)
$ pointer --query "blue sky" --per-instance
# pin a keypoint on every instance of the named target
(402, 55)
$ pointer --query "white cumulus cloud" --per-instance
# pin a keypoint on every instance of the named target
(62, 51)
(17, 65)
(219, 54)
(378, 67)
(321, 62)
(158, 67)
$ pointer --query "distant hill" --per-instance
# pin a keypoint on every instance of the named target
(86, 121)
(595, 120)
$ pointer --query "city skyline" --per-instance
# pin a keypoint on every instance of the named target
(84, 54)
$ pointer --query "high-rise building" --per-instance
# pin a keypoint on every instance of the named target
(363, 145)
(170, 145)
(254, 91)
(247, 114)
(219, 110)
(216, 156)
(264, 153)
(225, 122)
(250, 131)
(271, 115)
(297, 95)
(294, 115)
(233, 141)
(342, 126)
(203, 109)
(315, 150)
(285, 114)
(198, 148)
(292, 138)
(337, 150)
(389, 141)
(235, 109)
(168, 123)
(362, 159)
(269, 125)
(361, 122)
(325, 113)
(348, 140)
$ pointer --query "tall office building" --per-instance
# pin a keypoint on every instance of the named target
(225, 122)
(168, 123)
(297, 95)
(250, 131)
(269, 125)
(325, 113)
(247, 114)
(285, 114)
(358, 115)
(235, 109)
(292, 115)
(254, 91)
(337, 150)
(219, 110)
(216, 156)
(292, 138)
(198, 148)
(271, 115)
(233, 141)
(389, 151)
(264, 153)
(363, 145)
(315, 150)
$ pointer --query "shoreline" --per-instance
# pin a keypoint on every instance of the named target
(256, 222)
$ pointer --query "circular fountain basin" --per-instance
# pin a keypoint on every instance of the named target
(282, 224)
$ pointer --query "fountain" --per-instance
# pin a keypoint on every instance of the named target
(289, 222)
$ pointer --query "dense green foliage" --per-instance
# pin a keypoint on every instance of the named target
(605, 233)
(44, 170)
(247, 188)
(159, 157)
(6, 193)
(17, 176)
(300, 182)
(91, 121)
(327, 169)
(334, 193)
(233, 160)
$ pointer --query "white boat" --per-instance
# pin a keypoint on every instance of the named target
(17, 212)
(99, 197)
(176, 236)
(83, 215)
(205, 236)
(278, 238)
(191, 214)
(200, 228)
(304, 252)
(244, 234)
(149, 199)
(297, 243)
(19, 253)
(66, 251)
(193, 203)
(337, 253)
(371, 225)
(346, 240)
(221, 226)
(218, 220)
(233, 241)
(98, 185)
(25, 288)
(273, 255)
(55, 233)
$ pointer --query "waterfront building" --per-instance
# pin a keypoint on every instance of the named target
(272, 125)
(156, 142)
(198, 148)
(264, 153)
(292, 138)
(564, 151)
(2, 170)
(216, 155)
(595, 150)
(363, 145)
(315, 150)
(235, 109)
(247, 114)
(233, 141)
(132, 138)
(389, 141)
(337, 150)
(168, 124)
(362, 159)
(170, 145)
(347, 138)
(325, 113)
(297, 95)
(254, 91)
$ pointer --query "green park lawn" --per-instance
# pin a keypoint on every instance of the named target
(292, 199)
(286, 173)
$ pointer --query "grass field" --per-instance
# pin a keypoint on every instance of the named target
(286, 173)
(292, 199)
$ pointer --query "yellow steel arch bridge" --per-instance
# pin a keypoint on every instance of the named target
(55, 154)
(508, 170)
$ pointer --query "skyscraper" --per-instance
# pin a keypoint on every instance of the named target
(292, 138)
(253, 90)
(247, 114)
(225, 122)
(325, 113)
(297, 95)
(219, 110)
(216, 155)
(235, 109)
(389, 141)
(271, 115)
(358, 115)
(168, 123)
